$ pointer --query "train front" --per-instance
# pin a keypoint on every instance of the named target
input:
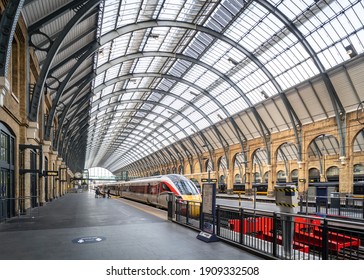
(189, 196)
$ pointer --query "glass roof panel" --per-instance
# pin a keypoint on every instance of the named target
(328, 26)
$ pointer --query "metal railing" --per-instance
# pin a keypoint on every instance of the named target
(279, 235)
(18, 208)
(333, 206)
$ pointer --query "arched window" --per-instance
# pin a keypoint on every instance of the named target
(281, 176)
(332, 174)
(294, 175)
(237, 178)
(314, 175)
(265, 177)
(209, 166)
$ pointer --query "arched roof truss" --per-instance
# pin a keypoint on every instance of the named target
(194, 76)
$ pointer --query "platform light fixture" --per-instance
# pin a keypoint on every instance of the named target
(154, 36)
(350, 50)
(232, 61)
(264, 94)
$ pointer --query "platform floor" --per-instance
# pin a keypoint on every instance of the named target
(78, 226)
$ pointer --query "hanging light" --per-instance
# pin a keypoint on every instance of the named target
(350, 50)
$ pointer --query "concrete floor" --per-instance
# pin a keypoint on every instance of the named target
(78, 226)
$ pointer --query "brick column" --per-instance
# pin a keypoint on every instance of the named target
(53, 182)
(249, 178)
(302, 184)
(58, 182)
(272, 178)
(346, 175)
(47, 153)
(27, 182)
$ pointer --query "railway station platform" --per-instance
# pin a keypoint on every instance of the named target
(79, 226)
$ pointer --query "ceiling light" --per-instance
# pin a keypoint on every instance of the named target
(232, 61)
(154, 36)
(350, 50)
(264, 94)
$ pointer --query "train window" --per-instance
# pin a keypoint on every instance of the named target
(165, 188)
(186, 187)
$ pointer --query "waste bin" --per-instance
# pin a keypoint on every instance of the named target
(335, 200)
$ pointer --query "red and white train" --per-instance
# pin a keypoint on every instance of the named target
(155, 190)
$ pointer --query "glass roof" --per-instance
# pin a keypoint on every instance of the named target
(170, 68)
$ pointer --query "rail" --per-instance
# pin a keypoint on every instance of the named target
(19, 208)
(333, 206)
(278, 235)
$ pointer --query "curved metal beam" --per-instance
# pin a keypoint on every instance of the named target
(9, 19)
(196, 148)
(38, 89)
(165, 93)
(69, 105)
(53, 16)
(136, 75)
(162, 105)
(139, 131)
(335, 100)
(184, 25)
(93, 47)
(132, 56)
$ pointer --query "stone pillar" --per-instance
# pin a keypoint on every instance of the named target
(27, 180)
(302, 178)
(272, 174)
(58, 183)
(230, 178)
(54, 180)
(249, 179)
(47, 154)
(4, 89)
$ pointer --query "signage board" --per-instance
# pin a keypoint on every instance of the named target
(208, 180)
(50, 173)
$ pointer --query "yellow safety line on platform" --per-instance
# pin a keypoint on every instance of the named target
(138, 206)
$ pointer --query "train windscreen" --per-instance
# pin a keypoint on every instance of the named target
(185, 186)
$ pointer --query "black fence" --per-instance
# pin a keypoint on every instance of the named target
(279, 235)
(335, 206)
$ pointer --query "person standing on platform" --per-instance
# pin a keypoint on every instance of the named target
(108, 193)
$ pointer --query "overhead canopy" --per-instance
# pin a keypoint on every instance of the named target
(160, 80)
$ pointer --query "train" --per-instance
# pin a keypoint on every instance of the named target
(155, 191)
(261, 188)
